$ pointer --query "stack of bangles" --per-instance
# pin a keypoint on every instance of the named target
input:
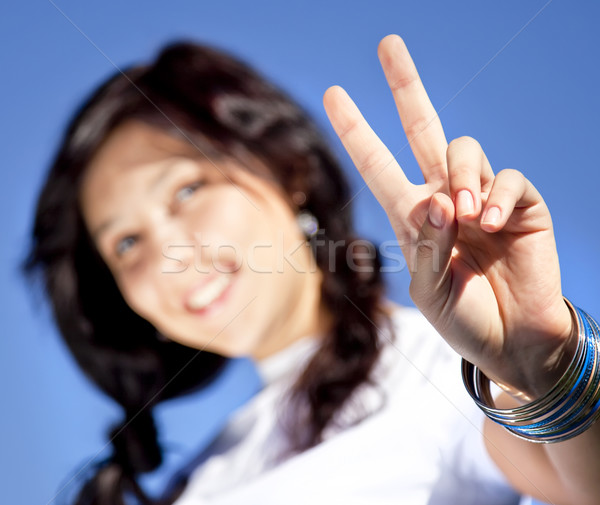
(568, 409)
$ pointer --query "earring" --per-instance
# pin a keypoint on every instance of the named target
(308, 223)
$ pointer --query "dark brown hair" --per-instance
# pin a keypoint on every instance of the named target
(214, 99)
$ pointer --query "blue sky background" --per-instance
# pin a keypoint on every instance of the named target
(525, 86)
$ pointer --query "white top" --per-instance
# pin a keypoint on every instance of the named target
(421, 444)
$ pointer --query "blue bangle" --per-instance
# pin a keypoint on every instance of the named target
(568, 409)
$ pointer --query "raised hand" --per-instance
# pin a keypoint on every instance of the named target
(480, 247)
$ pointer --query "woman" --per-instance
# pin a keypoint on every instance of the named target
(193, 203)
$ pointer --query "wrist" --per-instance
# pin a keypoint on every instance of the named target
(570, 407)
(544, 370)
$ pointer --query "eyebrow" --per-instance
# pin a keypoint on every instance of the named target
(156, 182)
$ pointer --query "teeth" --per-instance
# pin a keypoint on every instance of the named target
(209, 293)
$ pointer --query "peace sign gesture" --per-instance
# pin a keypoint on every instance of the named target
(480, 247)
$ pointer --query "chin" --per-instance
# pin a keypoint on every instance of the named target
(237, 345)
(230, 350)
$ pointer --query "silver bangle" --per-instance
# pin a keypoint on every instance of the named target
(568, 409)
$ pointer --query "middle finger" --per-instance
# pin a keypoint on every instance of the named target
(421, 122)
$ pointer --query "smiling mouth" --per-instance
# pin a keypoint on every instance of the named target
(209, 293)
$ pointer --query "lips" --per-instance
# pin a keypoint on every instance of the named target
(209, 293)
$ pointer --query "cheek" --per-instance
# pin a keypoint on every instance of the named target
(227, 226)
(140, 292)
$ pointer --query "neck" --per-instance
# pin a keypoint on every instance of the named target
(310, 318)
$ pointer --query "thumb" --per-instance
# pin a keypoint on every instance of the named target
(430, 278)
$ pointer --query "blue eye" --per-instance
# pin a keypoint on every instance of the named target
(187, 191)
(125, 244)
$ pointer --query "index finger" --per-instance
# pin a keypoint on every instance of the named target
(372, 158)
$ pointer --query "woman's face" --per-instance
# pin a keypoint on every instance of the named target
(207, 252)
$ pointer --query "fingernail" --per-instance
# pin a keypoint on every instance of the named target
(436, 214)
(464, 203)
(492, 216)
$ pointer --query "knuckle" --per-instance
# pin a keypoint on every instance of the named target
(509, 181)
(464, 162)
(415, 128)
(462, 175)
(454, 144)
(427, 249)
(439, 169)
(510, 173)
(461, 170)
(371, 164)
(348, 129)
(463, 141)
(403, 82)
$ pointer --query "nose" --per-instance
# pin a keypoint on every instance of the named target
(177, 256)
(172, 247)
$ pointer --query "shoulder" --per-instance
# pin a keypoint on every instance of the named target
(415, 369)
